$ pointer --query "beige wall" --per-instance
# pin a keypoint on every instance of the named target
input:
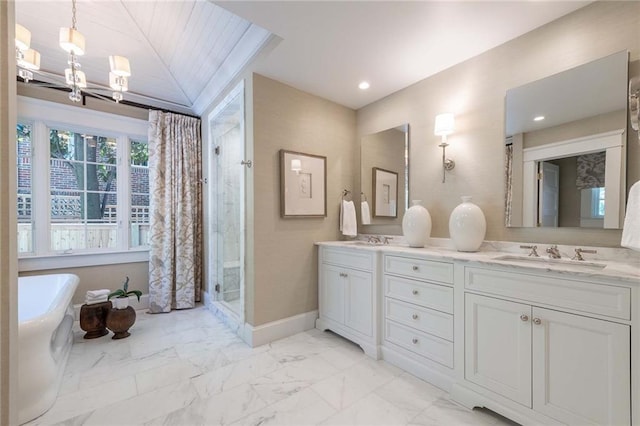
(104, 276)
(8, 249)
(474, 90)
(285, 259)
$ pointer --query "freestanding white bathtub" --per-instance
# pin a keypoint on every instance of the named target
(45, 319)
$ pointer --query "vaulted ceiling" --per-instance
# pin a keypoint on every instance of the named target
(184, 53)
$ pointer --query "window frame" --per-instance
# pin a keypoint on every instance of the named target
(45, 115)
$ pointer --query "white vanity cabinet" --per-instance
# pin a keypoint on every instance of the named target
(347, 295)
(557, 346)
(418, 316)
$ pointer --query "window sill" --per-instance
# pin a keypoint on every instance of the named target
(79, 260)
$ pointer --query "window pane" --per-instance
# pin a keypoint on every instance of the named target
(25, 223)
(83, 191)
(139, 189)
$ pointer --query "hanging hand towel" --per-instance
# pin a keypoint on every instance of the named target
(365, 213)
(631, 228)
(349, 226)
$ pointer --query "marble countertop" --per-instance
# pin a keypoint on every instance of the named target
(620, 264)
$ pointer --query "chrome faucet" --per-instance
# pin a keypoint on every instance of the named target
(579, 251)
(386, 240)
(373, 239)
(533, 252)
(553, 252)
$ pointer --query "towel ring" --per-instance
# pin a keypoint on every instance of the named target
(345, 193)
(363, 196)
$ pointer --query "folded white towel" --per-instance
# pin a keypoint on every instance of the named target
(631, 228)
(98, 293)
(365, 213)
(348, 224)
(93, 302)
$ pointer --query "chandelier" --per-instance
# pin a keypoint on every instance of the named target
(71, 41)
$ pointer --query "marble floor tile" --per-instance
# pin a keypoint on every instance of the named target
(87, 400)
(221, 409)
(303, 408)
(187, 368)
(446, 412)
(370, 411)
(144, 407)
(347, 387)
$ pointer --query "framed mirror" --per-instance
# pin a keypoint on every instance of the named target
(387, 152)
(566, 148)
(385, 193)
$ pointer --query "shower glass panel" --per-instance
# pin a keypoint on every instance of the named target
(227, 136)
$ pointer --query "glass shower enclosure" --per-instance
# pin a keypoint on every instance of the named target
(227, 239)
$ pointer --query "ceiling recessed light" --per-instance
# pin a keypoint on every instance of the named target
(363, 85)
(539, 118)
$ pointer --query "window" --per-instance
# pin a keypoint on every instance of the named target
(597, 202)
(25, 224)
(139, 190)
(91, 192)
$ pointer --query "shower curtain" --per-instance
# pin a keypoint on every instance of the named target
(175, 234)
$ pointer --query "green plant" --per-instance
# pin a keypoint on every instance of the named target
(124, 291)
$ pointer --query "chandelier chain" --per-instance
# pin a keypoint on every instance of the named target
(73, 15)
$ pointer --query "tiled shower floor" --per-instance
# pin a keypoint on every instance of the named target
(187, 368)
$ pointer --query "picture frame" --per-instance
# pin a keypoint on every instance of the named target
(303, 185)
(385, 193)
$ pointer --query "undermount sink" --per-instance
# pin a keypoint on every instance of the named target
(549, 261)
(365, 243)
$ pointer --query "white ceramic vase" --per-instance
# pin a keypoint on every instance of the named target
(416, 224)
(467, 226)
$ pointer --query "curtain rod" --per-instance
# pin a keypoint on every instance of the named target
(49, 85)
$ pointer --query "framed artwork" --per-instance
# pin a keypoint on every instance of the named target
(303, 185)
(385, 193)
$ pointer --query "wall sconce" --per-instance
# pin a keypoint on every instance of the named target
(444, 127)
(296, 165)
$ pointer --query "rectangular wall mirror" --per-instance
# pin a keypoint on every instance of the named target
(387, 152)
(566, 148)
(385, 193)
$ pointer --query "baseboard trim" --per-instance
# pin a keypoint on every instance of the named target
(276, 330)
(133, 302)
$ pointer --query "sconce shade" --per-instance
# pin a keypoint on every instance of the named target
(120, 66)
(444, 124)
(296, 165)
(72, 41)
(30, 60)
(117, 82)
(23, 38)
(80, 80)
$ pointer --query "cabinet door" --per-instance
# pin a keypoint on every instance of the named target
(498, 346)
(359, 301)
(332, 293)
(581, 369)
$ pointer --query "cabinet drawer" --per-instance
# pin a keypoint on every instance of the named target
(582, 296)
(350, 258)
(423, 319)
(434, 296)
(423, 344)
(419, 268)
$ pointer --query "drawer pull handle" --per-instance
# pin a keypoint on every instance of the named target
(414, 341)
(415, 268)
(537, 321)
(524, 317)
(343, 275)
(414, 316)
(415, 292)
